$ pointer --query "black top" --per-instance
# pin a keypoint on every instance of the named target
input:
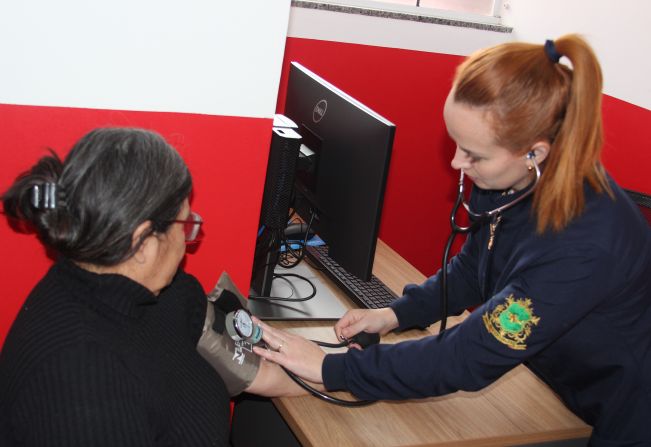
(574, 306)
(99, 360)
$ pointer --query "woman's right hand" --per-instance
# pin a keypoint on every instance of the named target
(368, 320)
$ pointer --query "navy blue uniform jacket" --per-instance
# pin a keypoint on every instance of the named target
(574, 306)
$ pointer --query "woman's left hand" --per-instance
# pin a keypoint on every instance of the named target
(299, 355)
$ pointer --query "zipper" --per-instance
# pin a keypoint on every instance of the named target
(492, 230)
(486, 263)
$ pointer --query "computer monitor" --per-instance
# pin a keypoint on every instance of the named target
(342, 167)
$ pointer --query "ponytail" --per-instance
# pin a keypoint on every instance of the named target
(575, 155)
(531, 97)
(27, 200)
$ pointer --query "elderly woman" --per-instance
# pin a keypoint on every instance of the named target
(104, 350)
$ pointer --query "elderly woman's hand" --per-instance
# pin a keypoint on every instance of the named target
(297, 354)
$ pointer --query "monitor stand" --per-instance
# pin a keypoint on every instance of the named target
(323, 306)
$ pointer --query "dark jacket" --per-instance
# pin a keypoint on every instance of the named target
(574, 306)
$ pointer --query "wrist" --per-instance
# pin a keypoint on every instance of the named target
(390, 319)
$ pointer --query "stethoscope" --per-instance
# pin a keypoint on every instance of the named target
(241, 327)
(476, 220)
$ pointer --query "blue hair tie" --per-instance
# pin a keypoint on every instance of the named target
(551, 52)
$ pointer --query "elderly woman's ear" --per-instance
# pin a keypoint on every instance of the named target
(141, 245)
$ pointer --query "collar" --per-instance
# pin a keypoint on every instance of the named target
(115, 291)
(483, 200)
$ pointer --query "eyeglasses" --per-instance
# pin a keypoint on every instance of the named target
(191, 226)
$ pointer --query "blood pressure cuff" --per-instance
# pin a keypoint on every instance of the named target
(233, 360)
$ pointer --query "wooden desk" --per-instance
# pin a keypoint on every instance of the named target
(517, 409)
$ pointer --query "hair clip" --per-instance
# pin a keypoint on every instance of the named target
(551, 52)
(44, 196)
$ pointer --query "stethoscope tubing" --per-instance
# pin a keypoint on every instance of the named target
(476, 220)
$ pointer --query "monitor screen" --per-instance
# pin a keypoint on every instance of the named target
(342, 169)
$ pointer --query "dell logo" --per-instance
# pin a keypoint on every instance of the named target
(319, 110)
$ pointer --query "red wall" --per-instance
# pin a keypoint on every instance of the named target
(226, 155)
(409, 88)
(627, 152)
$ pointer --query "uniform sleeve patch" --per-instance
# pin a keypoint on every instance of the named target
(511, 322)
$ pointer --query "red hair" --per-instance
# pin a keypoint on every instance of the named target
(530, 98)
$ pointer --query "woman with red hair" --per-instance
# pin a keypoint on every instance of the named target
(558, 267)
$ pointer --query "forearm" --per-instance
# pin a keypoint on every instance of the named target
(419, 368)
(420, 305)
(273, 381)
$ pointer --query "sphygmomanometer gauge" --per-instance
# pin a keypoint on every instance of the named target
(240, 326)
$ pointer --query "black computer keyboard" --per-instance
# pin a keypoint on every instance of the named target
(371, 294)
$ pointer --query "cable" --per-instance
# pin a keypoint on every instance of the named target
(326, 397)
(323, 396)
(444, 282)
(279, 298)
(241, 319)
(325, 344)
(297, 254)
(278, 236)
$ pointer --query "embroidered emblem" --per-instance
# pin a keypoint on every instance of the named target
(511, 322)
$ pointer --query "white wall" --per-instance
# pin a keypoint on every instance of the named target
(198, 56)
(390, 33)
(617, 29)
